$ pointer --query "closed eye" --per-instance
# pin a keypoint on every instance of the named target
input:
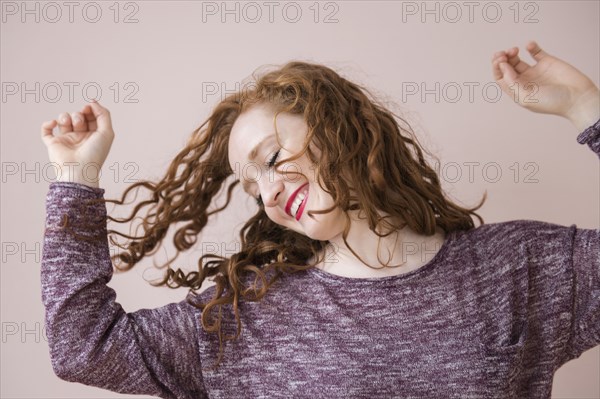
(269, 164)
(273, 159)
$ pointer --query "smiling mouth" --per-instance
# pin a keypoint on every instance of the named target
(296, 201)
(298, 204)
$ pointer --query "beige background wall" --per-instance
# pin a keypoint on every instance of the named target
(162, 66)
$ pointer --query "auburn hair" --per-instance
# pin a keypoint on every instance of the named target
(361, 143)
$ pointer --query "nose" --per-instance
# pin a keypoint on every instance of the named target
(271, 189)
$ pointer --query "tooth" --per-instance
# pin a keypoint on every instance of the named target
(295, 206)
(298, 201)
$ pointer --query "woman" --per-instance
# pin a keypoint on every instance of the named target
(311, 305)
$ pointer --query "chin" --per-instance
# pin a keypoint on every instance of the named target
(322, 229)
(319, 234)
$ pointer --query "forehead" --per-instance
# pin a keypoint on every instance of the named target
(251, 134)
(250, 129)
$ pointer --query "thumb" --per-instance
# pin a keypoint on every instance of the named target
(536, 52)
(102, 116)
(509, 75)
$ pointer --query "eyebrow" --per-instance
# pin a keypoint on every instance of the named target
(257, 147)
(254, 154)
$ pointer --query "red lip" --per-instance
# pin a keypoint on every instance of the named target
(288, 206)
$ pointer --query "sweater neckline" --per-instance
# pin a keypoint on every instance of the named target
(437, 259)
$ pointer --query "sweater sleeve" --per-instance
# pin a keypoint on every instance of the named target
(563, 288)
(585, 261)
(585, 255)
(591, 137)
(92, 340)
(580, 249)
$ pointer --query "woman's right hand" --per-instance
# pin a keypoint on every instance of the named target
(81, 145)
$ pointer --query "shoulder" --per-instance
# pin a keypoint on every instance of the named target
(201, 296)
(515, 232)
(522, 240)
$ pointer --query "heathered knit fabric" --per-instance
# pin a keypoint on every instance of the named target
(493, 314)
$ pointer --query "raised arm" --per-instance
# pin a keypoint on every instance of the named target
(92, 340)
(564, 286)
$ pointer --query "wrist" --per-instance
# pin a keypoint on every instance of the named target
(78, 175)
(586, 110)
(86, 182)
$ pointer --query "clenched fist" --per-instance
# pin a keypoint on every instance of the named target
(81, 144)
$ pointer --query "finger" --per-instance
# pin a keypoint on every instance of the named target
(79, 123)
(497, 55)
(511, 52)
(497, 73)
(515, 61)
(89, 117)
(47, 128)
(536, 52)
(64, 123)
(509, 75)
(102, 116)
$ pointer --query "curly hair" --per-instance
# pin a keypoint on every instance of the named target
(358, 138)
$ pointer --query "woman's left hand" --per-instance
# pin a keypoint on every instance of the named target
(551, 86)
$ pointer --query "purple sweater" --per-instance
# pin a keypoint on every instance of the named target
(493, 314)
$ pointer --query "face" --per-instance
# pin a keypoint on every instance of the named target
(286, 198)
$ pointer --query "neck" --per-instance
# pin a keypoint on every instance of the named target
(400, 252)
